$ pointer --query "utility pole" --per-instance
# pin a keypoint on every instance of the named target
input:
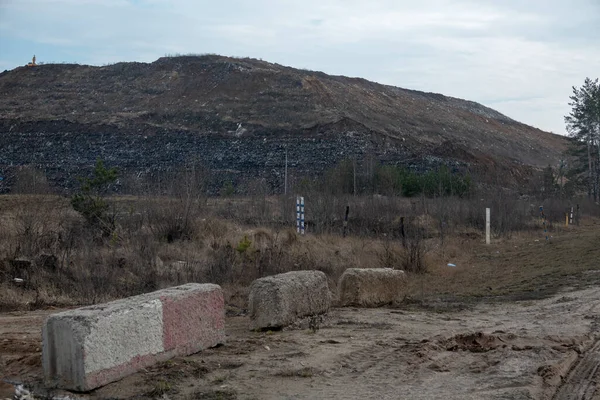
(354, 175)
(286, 172)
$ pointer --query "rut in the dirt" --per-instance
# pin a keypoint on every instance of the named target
(581, 383)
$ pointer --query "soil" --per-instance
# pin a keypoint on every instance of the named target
(535, 349)
(518, 319)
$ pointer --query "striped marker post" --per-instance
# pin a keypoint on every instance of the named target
(571, 216)
(300, 215)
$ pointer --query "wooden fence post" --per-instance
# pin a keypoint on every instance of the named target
(346, 221)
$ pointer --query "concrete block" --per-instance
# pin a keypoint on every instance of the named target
(279, 300)
(370, 287)
(91, 346)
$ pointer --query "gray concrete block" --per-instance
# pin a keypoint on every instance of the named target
(91, 346)
(371, 287)
(279, 300)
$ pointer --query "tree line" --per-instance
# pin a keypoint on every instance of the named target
(391, 180)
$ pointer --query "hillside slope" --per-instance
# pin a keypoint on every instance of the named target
(153, 116)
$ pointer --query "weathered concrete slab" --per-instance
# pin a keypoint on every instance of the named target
(91, 346)
(370, 287)
(279, 300)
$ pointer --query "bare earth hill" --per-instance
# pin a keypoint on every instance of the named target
(237, 116)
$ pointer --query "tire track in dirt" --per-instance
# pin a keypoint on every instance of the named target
(543, 349)
(365, 359)
(581, 382)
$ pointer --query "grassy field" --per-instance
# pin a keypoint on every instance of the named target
(526, 266)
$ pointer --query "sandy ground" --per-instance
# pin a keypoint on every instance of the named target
(537, 349)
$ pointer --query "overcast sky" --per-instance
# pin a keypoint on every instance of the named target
(520, 57)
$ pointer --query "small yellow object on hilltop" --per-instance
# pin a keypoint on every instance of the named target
(32, 63)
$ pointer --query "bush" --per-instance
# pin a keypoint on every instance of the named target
(174, 216)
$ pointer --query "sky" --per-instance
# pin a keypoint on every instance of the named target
(520, 57)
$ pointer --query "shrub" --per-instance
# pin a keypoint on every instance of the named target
(414, 258)
(173, 217)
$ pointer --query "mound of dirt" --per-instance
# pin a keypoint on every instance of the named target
(477, 342)
(238, 115)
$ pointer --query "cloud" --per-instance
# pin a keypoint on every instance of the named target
(518, 57)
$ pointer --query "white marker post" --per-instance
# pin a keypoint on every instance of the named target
(487, 226)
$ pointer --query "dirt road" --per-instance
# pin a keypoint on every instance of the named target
(20, 347)
(520, 350)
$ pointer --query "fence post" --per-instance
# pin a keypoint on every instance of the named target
(402, 233)
(487, 226)
(544, 221)
(346, 220)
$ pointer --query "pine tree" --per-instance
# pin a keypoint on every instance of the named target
(90, 200)
(583, 124)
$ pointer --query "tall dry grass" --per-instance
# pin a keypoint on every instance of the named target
(179, 235)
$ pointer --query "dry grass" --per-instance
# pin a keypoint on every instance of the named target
(138, 258)
(233, 252)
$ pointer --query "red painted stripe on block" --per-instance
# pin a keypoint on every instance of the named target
(100, 378)
(193, 321)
